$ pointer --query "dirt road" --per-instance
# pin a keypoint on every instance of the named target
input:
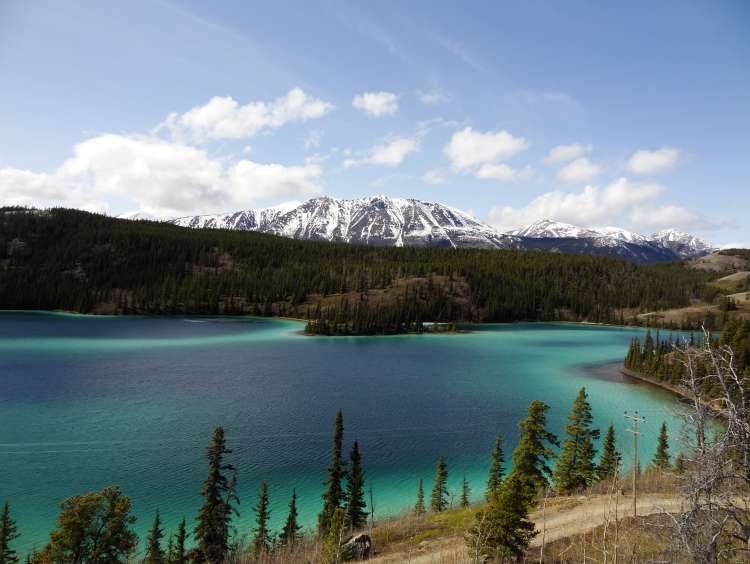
(584, 516)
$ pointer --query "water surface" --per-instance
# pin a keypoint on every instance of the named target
(87, 402)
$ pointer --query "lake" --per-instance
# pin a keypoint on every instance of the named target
(87, 402)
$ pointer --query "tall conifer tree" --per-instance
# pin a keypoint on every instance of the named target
(154, 551)
(261, 535)
(465, 492)
(176, 553)
(334, 493)
(439, 494)
(531, 457)
(609, 462)
(419, 505)
(575, 467)
(661, 458)
(8, 533)
(496, 468)
(290, 532)
(355, 515)
(215, 515)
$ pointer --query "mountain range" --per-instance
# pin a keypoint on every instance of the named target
(386, 221)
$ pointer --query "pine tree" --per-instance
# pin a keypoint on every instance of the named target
(438, 497)
(609, 462)
(333, 538)
(334, 494)
(419, 506)
(530, 459)
(496, 469)
(176, 546)
(502, 531)
(575, 467)
(290, 532)
(355, 515)
(661, 458)
(215, 515)
(465, 492)
(154, 551)
(261, 535)
(8, 533)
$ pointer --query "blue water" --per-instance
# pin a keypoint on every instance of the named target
(87, 402)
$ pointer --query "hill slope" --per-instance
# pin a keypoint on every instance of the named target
(73, 260)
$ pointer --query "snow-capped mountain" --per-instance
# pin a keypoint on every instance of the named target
(382, 220)
(681, 243)
(378, 220)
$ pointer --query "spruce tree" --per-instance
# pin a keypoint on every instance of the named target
(496, 469)
(154, 551)
(290, 532)
(465, 492)
(261, 535)
(439, 495)
(609, 462)
(355, 515)
(530, 459)
(215, 515)
(334, 493)
(502, 531)
(679, 464)
(661, 458)
(419, 505)
(8, 533)
(575, 467)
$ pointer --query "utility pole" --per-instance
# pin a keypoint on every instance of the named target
(634, 420)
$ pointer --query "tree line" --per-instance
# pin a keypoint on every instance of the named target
(658, 357)
(98, 526)
(74, 260)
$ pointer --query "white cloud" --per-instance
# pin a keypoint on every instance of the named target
(579, 171)
(565, 153)
(434, 176)
(433, 97)
(313, 138)
(504, 172)
(468, 148)
(224, 118)
(664, 216)
(376, 104)
(158, 177)
(619, 201)
(651, 162)
(389, 154)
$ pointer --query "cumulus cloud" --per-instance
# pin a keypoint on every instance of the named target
(376, 104)
(433, 97)
(579, 171)
(224, 118)
(468, 148)
(620, 202)
(159, 177)
(388, 154)
(565, 153)
(504, 173)
(652, 162)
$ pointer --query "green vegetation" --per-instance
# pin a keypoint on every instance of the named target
(419, 508)
(576, 468)
(290, 534)
(531, 457)
(73, 260)
(261, 535)
(611, 459)
(661, 458)
(333, 497)
(154, 551)
(8, 533)
(655, 356)
(355, 515)
(439, 494)
(497, 470)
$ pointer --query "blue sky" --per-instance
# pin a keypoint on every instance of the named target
(597, 113)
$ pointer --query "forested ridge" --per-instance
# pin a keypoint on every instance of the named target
(74, 260)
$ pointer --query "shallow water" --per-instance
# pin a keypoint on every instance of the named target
(87, 402)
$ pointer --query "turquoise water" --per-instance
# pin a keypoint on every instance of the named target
(87, 402)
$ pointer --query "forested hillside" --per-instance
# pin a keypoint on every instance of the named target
(74, 260)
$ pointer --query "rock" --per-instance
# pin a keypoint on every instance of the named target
(356, 547)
